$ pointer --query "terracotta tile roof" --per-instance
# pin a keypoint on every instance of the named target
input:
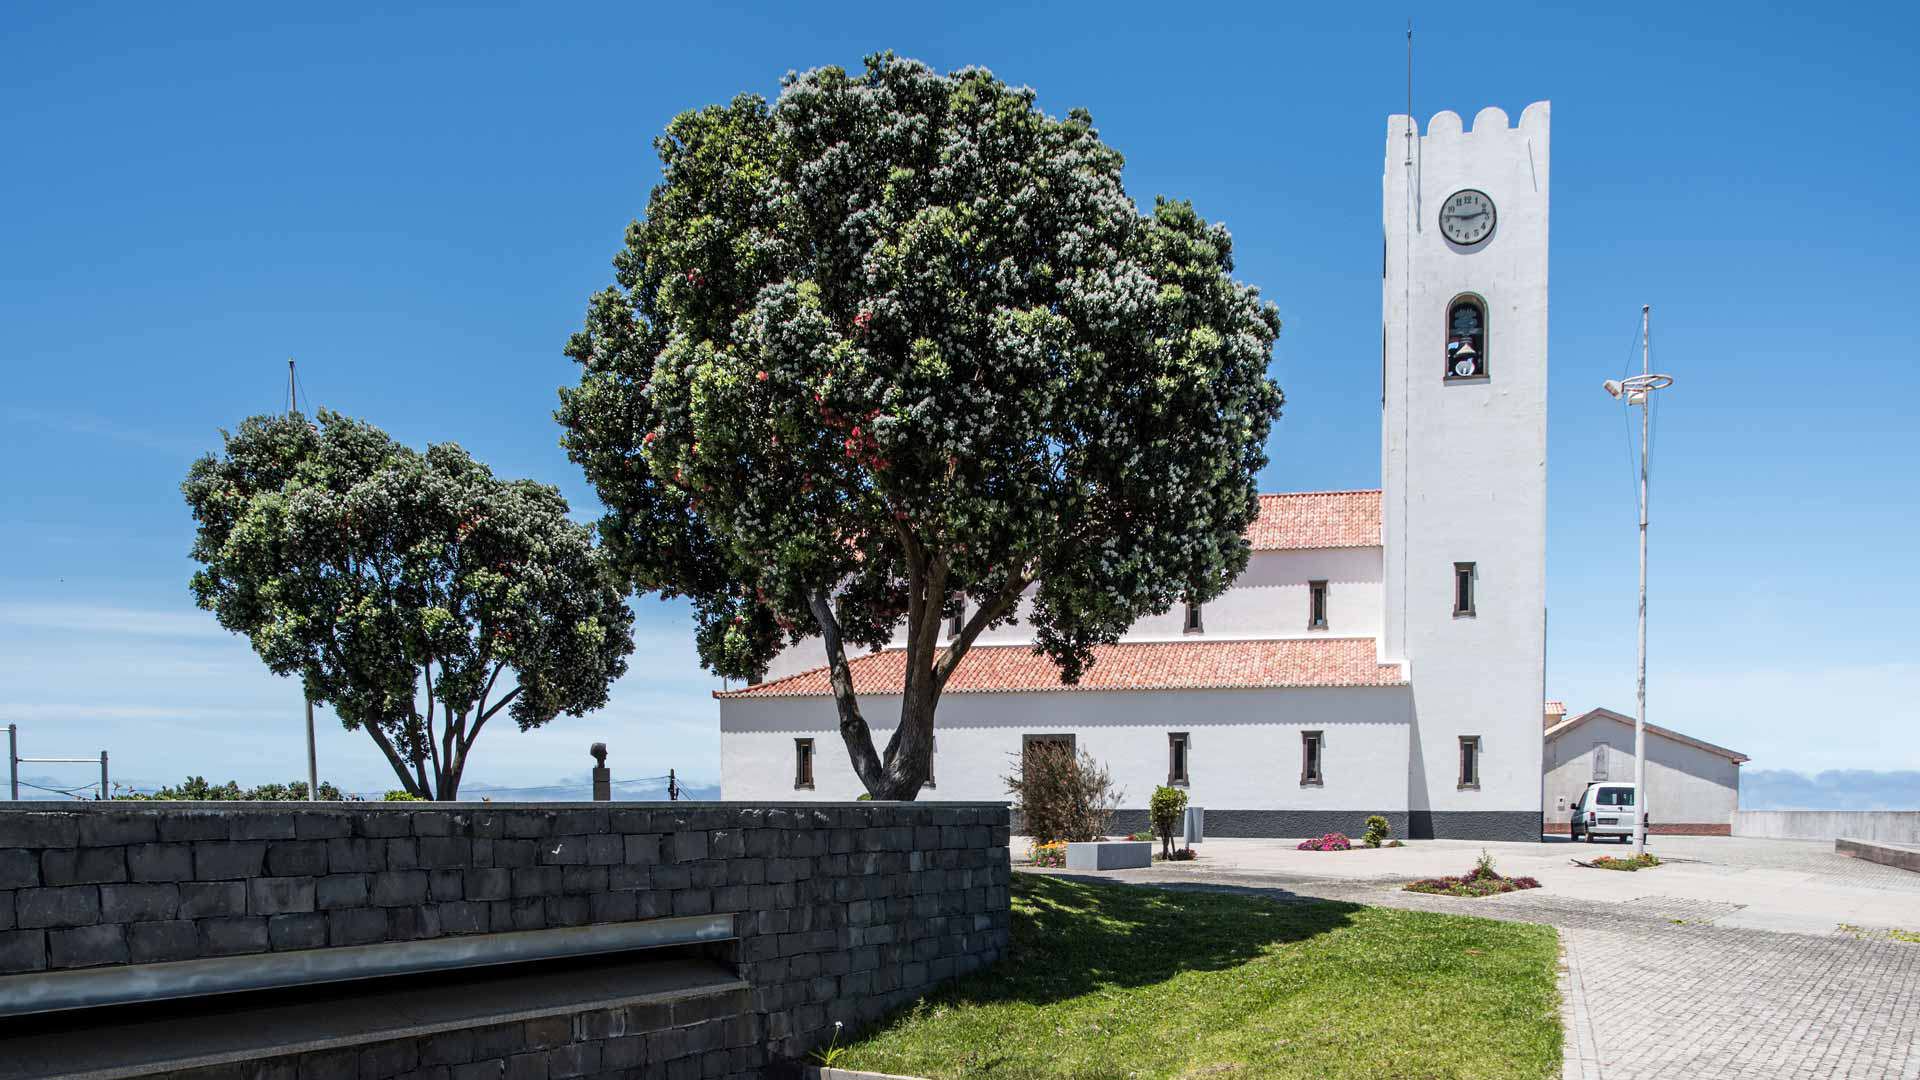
(1316, 519)
(1172, 665)
(1557, 707)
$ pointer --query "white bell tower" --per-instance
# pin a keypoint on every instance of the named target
(1463, 462)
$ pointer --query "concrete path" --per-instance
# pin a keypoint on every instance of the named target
(1738, 959)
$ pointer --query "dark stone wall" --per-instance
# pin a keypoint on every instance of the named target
(843, 911)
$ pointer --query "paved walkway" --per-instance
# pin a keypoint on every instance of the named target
(1730, 965)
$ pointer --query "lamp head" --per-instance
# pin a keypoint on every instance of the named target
(1612, 387)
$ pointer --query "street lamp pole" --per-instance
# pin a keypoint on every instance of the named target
(1637, 390)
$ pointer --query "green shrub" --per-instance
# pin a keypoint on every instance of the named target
(403, 796)
(1377, 831)
(1165, 808)
(196, 788)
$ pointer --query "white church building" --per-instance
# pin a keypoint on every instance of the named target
(1383, 652)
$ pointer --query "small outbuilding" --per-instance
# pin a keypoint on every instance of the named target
(1693, 786)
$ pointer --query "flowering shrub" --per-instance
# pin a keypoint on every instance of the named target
(1482, 880)
(1333, 841)
(1632, 862)
(1051, 854)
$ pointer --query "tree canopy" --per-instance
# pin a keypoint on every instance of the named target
(381, 575)
(898, 347)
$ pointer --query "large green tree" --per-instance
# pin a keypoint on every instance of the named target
(900, 346)
(400, 586)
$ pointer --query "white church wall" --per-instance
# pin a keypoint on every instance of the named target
(1244, 749)
(1464, 470)
(1268, 600)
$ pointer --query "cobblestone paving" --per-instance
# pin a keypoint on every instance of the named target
(1652, 988)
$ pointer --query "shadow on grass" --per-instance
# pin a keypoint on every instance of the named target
(1073, 935)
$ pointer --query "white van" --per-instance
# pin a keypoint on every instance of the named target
(1605, 809)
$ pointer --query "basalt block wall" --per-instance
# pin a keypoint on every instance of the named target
(841, 912)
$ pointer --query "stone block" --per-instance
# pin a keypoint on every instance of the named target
(330, 1065)
(72, 905)
(23, 950)
(574, 1059)
(492, 883)
(280, 895)
(115, 830)
(612, 907)
(439, 823)
(83, 866)
(201, 899)
(340, 891)
(526, 1066)
(382, 1061)
(568, 911)
(297, 858)
(300, 930)
(396, 888)
(536, 881)
(689, 846)
(548, 1031)
(412, 923)
(514, 854)
(215, 860)
(447, 1048)
(445, 851)
(606, 849)
(356, 926)
(403, 853)
(259, 825)
(1110, 855)
(139, 903)
(233, 935)
(18, 869)
(382, 822)
(32, 830)
(583, 879)
(355, 855)
(463, 917)
(87, 946)
(158, 942)
(159, 862)
(321, 825)
(446, 884)
(193, 825)
(644, 848)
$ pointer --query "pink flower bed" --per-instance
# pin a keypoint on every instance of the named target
(1333, 841)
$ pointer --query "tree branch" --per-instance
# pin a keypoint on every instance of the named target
(853, 727)
(974, 626)
(393, 758)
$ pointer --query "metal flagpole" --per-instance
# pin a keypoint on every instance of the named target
(313, 760)
(1638, 390)
(1640, 715)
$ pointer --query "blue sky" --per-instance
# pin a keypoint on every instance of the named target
(417, 205)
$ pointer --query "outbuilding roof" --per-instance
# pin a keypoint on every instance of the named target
(1565, 726)
(1169, 665)
(1296, 520)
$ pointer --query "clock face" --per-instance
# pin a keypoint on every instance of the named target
(1467, 217)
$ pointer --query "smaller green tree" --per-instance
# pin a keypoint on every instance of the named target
(1165, 808)
(1377, 831)
(383, 576)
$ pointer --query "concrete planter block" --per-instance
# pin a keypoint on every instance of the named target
(1110, 855)
(1904, 856)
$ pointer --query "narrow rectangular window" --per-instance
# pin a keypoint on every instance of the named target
(1463, 575)
(933, 751)
(955, 624)
(1316, 605)
(1193, 618)
(1469, 761)
(1311, 744)
(1177, 759)
(802, 763)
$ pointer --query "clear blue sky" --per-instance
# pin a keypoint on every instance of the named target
(417, 206)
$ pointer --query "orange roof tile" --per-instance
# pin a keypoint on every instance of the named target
(1316, 519)
(1172, 665)
(1557, 707)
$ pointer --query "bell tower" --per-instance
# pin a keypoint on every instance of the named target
(1463, 462)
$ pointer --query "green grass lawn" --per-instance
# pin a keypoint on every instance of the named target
(1121, 981)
